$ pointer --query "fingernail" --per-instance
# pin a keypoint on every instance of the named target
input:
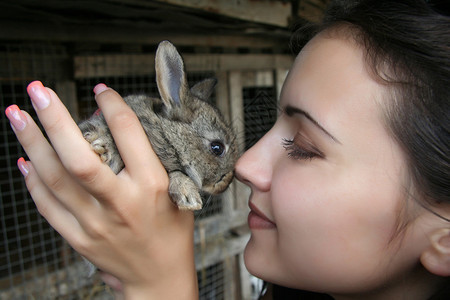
(38, 94)
(16, 117)
(23, 167)
(97, 112)
(100, 88)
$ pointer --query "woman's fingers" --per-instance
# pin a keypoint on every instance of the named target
(48, 206)
(130, 138)
(112, 281)
(125, 224)
(71, 148)
(47, 163)
(74, 175)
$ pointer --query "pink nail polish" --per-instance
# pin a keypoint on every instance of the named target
(100, 88)
(16, 117)
(38, 94)
(23, 167)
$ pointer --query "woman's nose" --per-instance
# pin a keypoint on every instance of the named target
(254, 167)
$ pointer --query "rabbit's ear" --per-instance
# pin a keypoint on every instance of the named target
(204, 88)
(170, 76)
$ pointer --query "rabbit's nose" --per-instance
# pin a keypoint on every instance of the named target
(220, 185)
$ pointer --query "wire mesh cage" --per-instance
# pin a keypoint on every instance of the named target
(35, 262)
(32, 254)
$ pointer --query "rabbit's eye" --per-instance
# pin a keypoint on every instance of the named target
(217, 148)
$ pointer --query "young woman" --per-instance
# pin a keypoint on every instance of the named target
(350, 188)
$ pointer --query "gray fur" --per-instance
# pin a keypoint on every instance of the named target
(181, 126)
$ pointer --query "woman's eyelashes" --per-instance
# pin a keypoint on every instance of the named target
(298, 148)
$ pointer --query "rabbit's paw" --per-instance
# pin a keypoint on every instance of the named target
(188, 201)
(184, 192)
(99, 145)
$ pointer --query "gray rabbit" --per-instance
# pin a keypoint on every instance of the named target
(194, 143)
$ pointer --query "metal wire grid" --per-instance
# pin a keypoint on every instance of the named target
(35, 262)
(32, 254)
(211, 282)
(123, 85)
(260, 112)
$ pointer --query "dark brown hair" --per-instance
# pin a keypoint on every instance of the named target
(407, 46)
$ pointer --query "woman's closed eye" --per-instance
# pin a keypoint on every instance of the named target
(299, 149)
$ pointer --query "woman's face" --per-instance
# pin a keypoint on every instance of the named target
(327, 181)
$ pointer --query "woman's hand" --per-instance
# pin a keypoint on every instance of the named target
(125, 224)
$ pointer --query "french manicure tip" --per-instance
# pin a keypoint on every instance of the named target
(23, 166)
(99, 88)
(34, 83)
(16, 117)
(38, 94)
(11, 109)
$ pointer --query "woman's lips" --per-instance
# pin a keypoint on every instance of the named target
(257, 220)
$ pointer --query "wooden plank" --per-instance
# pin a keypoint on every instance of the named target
(246, 286)
(222, 97)
(263, 78)
(263, 11)
(218, 250)
(228, 201)
(237, 107)
(112, 33)
(113, 65)
(254, 61)
(91, 66)
(312, 10)
(218, 225)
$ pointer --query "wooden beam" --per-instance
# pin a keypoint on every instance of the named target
(91, 66)
(218, 225)
(263, 11)
(312, 10)
(215, 251)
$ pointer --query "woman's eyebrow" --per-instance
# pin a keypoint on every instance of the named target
(291, 110)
